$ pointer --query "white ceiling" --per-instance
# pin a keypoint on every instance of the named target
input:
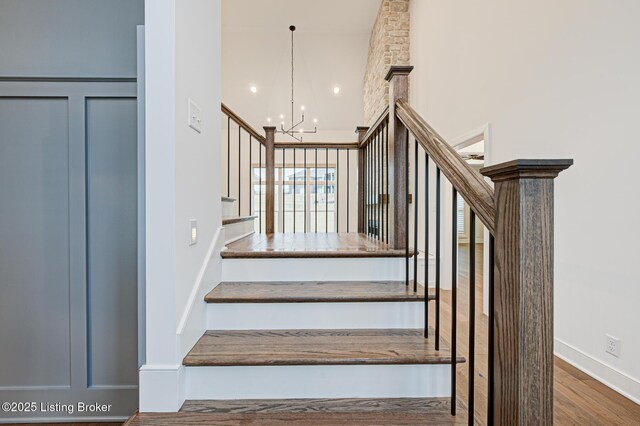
(331, 44)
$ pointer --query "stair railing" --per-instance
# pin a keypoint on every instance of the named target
(518, 214)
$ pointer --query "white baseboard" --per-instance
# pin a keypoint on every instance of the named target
(318, 381)
(162, 388)
(615, 379)
(192, 324)
(342, 315)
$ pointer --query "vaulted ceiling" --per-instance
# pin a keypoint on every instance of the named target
(331, 44)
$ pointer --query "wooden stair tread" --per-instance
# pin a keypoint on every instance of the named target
(314, 292)
(227, 199)
(309, 245)
(319, 412)
(316, 347)
(230, 220)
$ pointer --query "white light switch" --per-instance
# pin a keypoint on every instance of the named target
(195, 117)
(193, 232)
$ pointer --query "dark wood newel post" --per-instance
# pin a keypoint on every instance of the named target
(361, 131)
(523, 290)
(398, 78)
(271, 184)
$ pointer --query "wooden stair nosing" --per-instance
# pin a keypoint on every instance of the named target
(316, 347)
(231, 220)
(227, 199)
(315, 292)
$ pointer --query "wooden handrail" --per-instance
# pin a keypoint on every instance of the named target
(240, 122)
(469, 183)
(374, 127)
(311, 145)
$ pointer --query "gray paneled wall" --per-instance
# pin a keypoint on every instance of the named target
(69, 200)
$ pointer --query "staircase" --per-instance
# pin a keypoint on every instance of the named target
(333, 327)
(235, 226)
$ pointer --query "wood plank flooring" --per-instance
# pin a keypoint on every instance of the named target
(320, 412)
(578, 398)
(315, 347)
(314, 292)
(300, 245)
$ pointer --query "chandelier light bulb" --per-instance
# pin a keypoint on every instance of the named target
(302, 108)
(315, 121)
(281, 116)
(253, 89)
(268, 119)
(336, 90)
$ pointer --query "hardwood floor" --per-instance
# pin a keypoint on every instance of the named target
(578, 398)
(315, 347)
(314, 292)
(309, 246)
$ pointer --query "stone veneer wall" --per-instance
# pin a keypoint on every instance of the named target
(388, 45)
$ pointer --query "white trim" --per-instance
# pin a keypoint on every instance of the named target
(610, 376)
(162, 388)
(193, 321)
(334, 315)
(318, 381)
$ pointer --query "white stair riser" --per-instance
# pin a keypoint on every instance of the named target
(318, 381)
(229, 209)
(347, 315)
(316, 269)
(237, 230)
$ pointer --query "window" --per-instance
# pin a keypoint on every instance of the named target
(304, 198)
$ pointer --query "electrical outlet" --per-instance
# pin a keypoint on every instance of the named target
(195, 116)
(612, 345)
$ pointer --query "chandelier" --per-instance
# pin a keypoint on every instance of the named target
(295, 131)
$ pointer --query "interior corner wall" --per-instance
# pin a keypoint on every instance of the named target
(388, 45)
(554, 80)
(182, 61)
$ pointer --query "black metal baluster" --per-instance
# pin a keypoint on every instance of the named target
(316, 196)
(348, 184)
(491, 359)
(416, 226)
(326, 190)
(239, 170)
(336, 198)
(305, 189)
(260, 186)
(368, 194)
(284, 216)
(437, 258)
(379, 184)
(426, 244)
(386, 127)
(250, 177)
(454, 295)
(472, 315)
(406, 208)
(294, 190)
(228, 156)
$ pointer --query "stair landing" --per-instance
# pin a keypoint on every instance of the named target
(309, 245)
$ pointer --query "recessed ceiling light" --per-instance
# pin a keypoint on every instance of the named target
(336, 90)
(253, 89)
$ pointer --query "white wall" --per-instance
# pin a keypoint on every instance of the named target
(555, 80)
(182, 56)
